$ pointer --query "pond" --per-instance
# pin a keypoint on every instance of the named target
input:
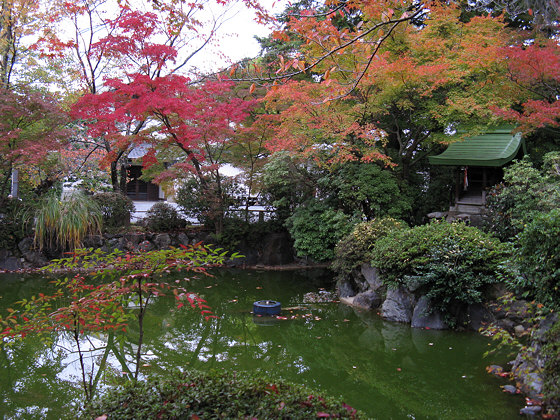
(385, 369)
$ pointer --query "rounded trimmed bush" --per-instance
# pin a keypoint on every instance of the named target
(162, 217)
(355, 249)
(116, 209)
(226, 395)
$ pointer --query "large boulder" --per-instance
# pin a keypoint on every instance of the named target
(478, 316)
(162, 241)
(426, 317)
(36, 258)
(93, 241)
(371, 275)
(367, 300)
(344, 288)
(8, 261)
(398, 305)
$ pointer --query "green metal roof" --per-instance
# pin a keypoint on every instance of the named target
(495, 148)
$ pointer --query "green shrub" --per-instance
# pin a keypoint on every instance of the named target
(116, 209)
(316, 229)
(525, 192)
(355, 249)
(162, 217)
(538, 257)
(551, 371)
(451, 263)
(12, 223)
(216, 395)
(63, 223)
(237, 230)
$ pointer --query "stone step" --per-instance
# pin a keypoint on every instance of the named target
(467, 208)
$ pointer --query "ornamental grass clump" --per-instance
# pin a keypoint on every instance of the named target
(62, 224)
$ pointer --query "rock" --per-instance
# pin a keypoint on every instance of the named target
(9, 262)
(526, 370)
(344, 288)
(134, 238)
(530, 410)
(477, 316)
(145, 246)
(519, 330)
(424, 317)
(277, 249)
(545, 325)
(510, 389)
(495, 370)
(398, 305)
(371, 275)
(162, 241)
(518, 311)
(183, 239)
(437, 215)
(37, 259)
(367, 300)
(93, 241)
(25, 245)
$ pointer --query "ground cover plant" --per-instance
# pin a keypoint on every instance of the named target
(227, 395)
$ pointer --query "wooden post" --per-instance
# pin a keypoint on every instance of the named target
(484, 184)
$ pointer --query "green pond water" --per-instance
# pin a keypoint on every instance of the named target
(385, 369)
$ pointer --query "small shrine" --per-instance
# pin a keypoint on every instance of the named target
(479, 161)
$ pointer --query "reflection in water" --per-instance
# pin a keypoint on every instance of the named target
(385, 369)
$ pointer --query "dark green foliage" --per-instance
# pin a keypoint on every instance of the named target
(116, 209)
(209, 202)
(355, 249)
(216, 396)
(162, 217)
(237, 231)
(371, 189)
(316, 229)
(12, 223)
(538, 256)
(288, 183)
(525, 192)
(551, 371)
(451, 263)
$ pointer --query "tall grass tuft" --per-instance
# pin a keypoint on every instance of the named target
(63, 223)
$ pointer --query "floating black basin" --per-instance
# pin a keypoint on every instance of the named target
(267, 307)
